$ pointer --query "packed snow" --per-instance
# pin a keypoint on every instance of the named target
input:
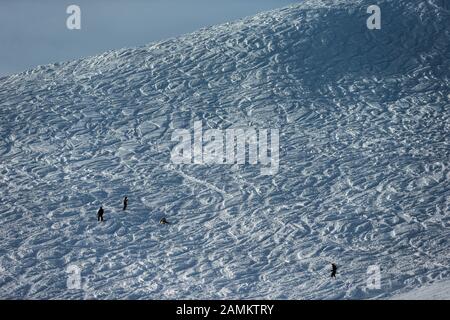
(434, 291)
(363, 178)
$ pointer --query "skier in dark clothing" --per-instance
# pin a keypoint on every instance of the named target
(100, 214)
(125, 203)
(163, 221)
(333, 270)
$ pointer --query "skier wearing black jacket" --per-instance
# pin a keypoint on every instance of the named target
(333, 270)
(125, 203)
(100, 214)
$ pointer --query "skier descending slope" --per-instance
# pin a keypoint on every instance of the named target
(333, 270)
(100, 214)
(125, 203)
(163, 221)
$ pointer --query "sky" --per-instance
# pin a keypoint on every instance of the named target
(34, 32)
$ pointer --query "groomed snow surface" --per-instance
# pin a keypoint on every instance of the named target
(363, 180)
(435, 291)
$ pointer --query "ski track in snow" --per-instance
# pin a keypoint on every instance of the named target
(364, 161)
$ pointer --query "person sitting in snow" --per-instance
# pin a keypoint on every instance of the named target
(100, 214)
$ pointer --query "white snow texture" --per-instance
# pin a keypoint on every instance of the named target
(363, 180)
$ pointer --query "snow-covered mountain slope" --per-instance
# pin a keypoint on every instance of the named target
(363, 180)
(435, 291)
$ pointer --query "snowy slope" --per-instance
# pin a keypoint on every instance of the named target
(364, 161)
(435, 291)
